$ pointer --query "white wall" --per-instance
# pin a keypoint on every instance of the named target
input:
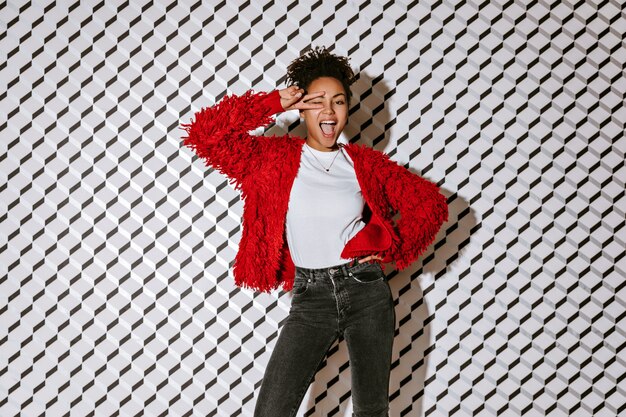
(117, 298)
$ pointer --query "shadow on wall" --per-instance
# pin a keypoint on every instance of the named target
(369, 123)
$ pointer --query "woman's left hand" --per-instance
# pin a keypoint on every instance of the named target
(369, 258)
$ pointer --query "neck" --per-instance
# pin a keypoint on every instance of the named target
(317, 147)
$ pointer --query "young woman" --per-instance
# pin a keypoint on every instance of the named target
(318, 221)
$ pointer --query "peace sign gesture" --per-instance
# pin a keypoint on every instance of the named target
(291, 99)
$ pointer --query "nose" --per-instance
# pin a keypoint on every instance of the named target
(328, 108)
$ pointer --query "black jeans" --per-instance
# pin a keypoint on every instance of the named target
(350, 299)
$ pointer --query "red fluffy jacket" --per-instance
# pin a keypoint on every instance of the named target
(263, 169)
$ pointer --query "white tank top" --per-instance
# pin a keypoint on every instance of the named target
(325, 208)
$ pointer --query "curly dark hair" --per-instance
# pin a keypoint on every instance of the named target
(320, 62)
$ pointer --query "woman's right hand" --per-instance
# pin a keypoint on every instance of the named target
(291, 99)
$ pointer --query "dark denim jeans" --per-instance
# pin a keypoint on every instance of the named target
(350, 299)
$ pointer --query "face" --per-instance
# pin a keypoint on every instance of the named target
(322, 133)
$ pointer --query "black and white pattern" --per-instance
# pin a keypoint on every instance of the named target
(117, 243)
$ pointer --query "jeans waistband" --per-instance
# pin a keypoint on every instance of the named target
(350, 266)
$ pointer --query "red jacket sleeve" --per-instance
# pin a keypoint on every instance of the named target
(423, 209)
(219, 134)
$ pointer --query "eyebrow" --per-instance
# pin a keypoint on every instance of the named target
(338, 94)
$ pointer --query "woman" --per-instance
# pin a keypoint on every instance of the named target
(310, 205)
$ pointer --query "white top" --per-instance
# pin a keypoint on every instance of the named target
(325, 208)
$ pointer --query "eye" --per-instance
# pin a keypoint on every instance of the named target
(340, 102)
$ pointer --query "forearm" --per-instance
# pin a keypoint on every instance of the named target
(219, 134)
(423, 209)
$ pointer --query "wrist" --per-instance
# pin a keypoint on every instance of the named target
(274, 103)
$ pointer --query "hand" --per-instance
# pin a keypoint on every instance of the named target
(291, 99)
(369, 258)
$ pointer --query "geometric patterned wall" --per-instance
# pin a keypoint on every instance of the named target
(117, 296)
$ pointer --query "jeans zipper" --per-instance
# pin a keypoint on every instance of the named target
(332, 281)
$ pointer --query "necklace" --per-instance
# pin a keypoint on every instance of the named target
(318, 161)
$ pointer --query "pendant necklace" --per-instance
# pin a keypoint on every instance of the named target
(318, 161)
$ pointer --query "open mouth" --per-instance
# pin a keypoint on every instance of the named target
(328, 128)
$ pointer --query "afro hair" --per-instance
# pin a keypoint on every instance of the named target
(319, 62)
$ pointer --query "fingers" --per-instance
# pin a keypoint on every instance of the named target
(308, 106)
(295, 99)
(309, 96)
(291, 93)
(314, 95)
(294, 91)
(290, 98)
(303, 105)
(369, 258)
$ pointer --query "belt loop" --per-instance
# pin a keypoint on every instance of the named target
(346, 267)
